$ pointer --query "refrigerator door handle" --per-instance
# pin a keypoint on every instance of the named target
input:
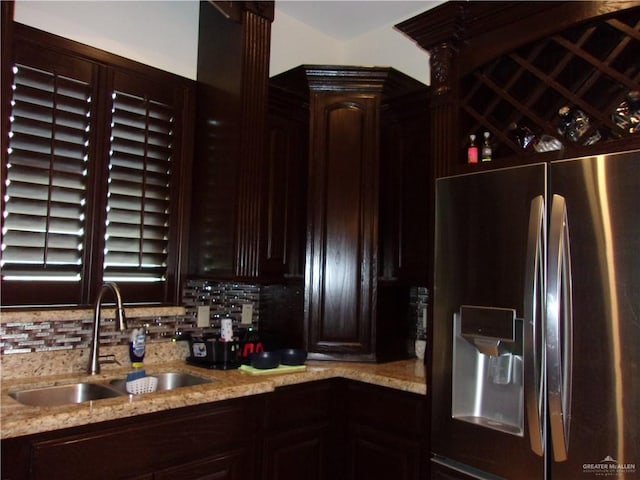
(559, 329)
(533, 310)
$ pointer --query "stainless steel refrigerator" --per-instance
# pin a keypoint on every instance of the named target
(535, 352)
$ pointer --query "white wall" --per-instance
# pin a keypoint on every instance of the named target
(387, 47)
(294, 43)
(163, 34)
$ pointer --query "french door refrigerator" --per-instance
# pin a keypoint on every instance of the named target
(535, 358)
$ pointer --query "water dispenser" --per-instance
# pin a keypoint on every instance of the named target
(487, 373)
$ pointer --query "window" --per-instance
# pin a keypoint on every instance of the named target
(95, 172)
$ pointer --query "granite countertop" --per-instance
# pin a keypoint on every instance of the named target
(17, 419)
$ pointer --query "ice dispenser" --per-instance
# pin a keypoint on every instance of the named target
(487, 368)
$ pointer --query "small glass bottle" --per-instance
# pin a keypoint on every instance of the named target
(472, 150)
(486, 148)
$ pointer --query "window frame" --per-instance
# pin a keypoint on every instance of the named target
(111, 70)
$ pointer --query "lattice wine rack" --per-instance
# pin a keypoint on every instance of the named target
(592, 69)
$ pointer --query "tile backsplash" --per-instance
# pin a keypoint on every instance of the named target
(45, 331)
(55, 330)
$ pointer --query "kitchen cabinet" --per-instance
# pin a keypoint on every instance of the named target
(333, 429)
(386, 433)
(301, 438)
(343, 429)
(367, 170)
(230, 145)
(210, 441)
(284, 209)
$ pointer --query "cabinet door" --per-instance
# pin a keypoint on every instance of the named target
(284, 199)
(342, 234)
(387, 433)
(300, 439)
(376, 454)
(297, 454)
(232, 465)
(125, 449)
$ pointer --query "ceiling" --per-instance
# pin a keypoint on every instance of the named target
(347, 19)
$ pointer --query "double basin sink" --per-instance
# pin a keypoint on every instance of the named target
(86, 391)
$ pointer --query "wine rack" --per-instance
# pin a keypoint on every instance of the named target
(590, 67)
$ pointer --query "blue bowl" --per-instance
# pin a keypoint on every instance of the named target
(265, 360)
(293, 356)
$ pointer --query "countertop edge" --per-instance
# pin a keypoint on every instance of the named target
(19, 420)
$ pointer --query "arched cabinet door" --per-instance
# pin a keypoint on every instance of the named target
(341, 248)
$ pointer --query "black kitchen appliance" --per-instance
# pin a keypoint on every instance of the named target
(214, 353)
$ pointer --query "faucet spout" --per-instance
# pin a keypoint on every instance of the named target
(94, 360)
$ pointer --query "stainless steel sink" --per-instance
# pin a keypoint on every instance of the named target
(167, 381)
(85, 391)
(64, 394)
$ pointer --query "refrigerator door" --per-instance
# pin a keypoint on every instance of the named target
(480, 410)
(599, 431)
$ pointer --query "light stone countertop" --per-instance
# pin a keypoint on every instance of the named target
(17, 419)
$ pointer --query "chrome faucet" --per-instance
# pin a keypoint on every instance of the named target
(94, 361)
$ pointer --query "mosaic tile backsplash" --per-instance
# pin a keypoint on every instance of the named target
(224, 299)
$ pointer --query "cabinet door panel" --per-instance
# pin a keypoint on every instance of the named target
(126, 450)
(378, 455)
(343, 238)
(297, 454)
(229, 466)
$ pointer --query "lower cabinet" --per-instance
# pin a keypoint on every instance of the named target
(325, 430)
(387, 436)
(378, 454)
(203, 442)
(301, 433)
(229, 465)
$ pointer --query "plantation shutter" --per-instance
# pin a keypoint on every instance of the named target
(46, 183)
(138, 208)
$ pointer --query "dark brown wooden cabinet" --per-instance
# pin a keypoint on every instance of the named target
(230, 146)
(365, 161)
(212, 441)
(301, 435)
(387, 433)
(284, 206)
(326, 430)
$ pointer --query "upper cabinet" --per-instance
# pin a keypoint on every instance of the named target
(367, 185)
(229, 160)
(546, 80)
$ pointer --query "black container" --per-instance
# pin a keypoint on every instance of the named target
(265, 360)
(212, 353)
(293, 356)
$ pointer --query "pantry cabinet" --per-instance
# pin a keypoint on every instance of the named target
(366, 187)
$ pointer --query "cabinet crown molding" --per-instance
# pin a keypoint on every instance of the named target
(385, 80)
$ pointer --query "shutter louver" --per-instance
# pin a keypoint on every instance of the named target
(46, 182)
(137, 230)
